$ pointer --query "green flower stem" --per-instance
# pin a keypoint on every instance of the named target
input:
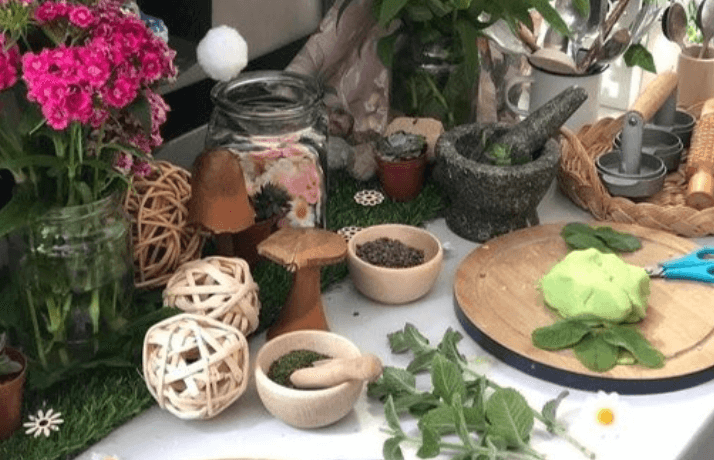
(510, 455)
(36, 329)
(94, 310)
(440, 97)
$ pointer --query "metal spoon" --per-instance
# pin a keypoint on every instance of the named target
(674, 24)
(705, 22)
(613, 47)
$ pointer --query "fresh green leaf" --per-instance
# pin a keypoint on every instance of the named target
(582, 7)
(638, 55)
(392, 450)
(447, 379)
(619, 241)
(509, 416)
(439, 7)
(430, 447)
(633, 341)
(550, 409)
(409, 339)
(440, 419)
(141, 109)
(552, 16)
(385, 49)
(596, 354)
(389, 10)
(449, 346)
(469, 35)
(393, 381)
(419, 13)
(462, 429)
(562, 334)
(421, 362)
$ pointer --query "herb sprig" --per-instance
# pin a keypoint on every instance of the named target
(486, 421)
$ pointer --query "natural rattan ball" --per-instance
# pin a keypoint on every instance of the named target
(157, 205)
(195, 366)
(219, 287)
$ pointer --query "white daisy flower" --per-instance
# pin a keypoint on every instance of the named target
(222, 53)
(43, 423)
(602, 421)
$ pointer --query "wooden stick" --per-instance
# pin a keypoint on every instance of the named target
(655, 94)
(700, 161)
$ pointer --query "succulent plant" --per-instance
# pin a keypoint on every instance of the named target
(271, 200)
(7, 365)
(401, 146)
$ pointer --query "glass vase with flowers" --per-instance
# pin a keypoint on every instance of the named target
(81, 116)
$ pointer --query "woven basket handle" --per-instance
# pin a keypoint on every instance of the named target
(655, 94)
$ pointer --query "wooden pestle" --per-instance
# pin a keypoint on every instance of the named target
(700, 160)
(330, 372)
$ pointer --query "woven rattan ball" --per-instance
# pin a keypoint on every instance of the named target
(162, 240)
(195, 366)
(219, 287)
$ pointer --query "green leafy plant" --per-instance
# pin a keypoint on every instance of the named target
(7, 365)
(401, 146)
(269, 201)
(599, 345)
(448, 29)
(582, 236)
(487, 420)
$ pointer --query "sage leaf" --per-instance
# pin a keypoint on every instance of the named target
(619, 241)
(449, 346)
(562, 334)
(396, 380)
(408, 339)
(595, 353)
(421, 362)
(447, 379)
(391, 449)
(509, 416)
(429, 443)
(441, 419)
(638, 55)
(633, 341)
(550, 409)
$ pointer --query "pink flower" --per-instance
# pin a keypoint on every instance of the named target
(123, 162)
(121, 93)
(95, 68)
(49, 11)
(56, 116)
(99, 117)
(9, 62)
(78, 105)
(151, 67)
(81, 16)
(141, 168)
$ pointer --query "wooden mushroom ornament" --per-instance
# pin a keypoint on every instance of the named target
(303, 251)
(219, 199)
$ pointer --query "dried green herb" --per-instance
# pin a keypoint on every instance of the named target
(281, 369)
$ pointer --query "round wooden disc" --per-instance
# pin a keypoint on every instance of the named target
(499, 304)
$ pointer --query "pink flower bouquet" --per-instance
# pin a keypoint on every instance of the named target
(79, 114)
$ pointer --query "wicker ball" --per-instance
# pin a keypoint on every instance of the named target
(219, 287)
(195, 366)
(162, 240)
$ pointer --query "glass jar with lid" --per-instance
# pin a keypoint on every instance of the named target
(276, 122)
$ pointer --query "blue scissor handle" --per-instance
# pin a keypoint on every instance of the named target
(693, 272)
(695, 266)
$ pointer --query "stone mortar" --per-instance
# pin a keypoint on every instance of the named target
(487, 200)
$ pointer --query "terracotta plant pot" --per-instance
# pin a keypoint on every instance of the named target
(11, 389)
(402, 180)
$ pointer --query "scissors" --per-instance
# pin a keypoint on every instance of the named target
(696, 266)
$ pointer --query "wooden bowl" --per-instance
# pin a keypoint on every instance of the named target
(306, 408)
(395, 285)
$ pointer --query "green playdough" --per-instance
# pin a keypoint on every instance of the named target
(591, 282)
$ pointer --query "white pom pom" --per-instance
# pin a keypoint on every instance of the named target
(222, 53)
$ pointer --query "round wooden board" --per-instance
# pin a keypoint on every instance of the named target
(498, 303)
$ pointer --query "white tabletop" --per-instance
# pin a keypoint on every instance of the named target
(666, 426)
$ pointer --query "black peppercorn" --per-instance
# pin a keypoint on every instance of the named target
(390, 253)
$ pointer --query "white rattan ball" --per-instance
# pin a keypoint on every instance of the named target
(221, 288)
(195, 366)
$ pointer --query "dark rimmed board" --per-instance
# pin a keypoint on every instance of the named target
(499, 305)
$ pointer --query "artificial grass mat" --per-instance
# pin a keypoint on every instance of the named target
(97, 401)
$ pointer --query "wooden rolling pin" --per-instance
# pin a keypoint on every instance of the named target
(330, 372)
(655, 94)
(700, 160)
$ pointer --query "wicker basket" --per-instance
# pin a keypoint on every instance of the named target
(666, 210)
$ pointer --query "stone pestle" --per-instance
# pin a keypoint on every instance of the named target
(530, 135)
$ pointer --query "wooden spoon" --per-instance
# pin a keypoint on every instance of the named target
(674, 24)
(553, 60)
(705, 21)
(330, 372)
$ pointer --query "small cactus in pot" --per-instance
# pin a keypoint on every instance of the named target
(270, 201)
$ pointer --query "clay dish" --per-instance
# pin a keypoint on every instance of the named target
(395, 285)
(306, 408)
